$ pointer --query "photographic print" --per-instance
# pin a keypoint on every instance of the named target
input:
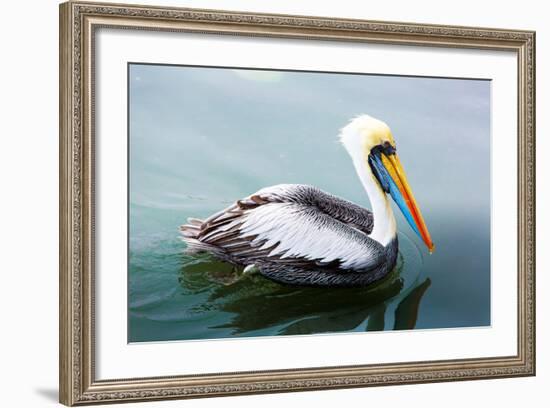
(271, 202)
(235, 182)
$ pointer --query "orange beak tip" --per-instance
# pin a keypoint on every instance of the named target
(431, 248)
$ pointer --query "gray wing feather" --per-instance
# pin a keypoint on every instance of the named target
(342, 210)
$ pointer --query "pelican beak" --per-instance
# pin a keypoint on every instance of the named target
(401, 192)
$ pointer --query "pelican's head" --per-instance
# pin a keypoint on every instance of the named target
(370, 141)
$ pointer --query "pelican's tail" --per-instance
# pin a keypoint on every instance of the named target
(190, 234)
(192, 228)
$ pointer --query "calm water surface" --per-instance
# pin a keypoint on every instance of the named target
(202, 138)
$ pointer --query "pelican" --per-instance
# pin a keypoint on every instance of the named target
(297, 234)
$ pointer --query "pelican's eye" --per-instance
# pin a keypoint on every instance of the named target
(388, 149)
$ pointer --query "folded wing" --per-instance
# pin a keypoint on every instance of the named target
(290, 224)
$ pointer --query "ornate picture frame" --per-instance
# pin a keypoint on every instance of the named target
(79, 22)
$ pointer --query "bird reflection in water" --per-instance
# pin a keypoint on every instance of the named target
(256, 304)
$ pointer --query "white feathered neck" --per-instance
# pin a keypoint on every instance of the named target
(359, 137)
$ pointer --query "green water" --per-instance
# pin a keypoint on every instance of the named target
(202, 138)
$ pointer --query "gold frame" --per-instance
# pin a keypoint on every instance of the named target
(78, 22)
